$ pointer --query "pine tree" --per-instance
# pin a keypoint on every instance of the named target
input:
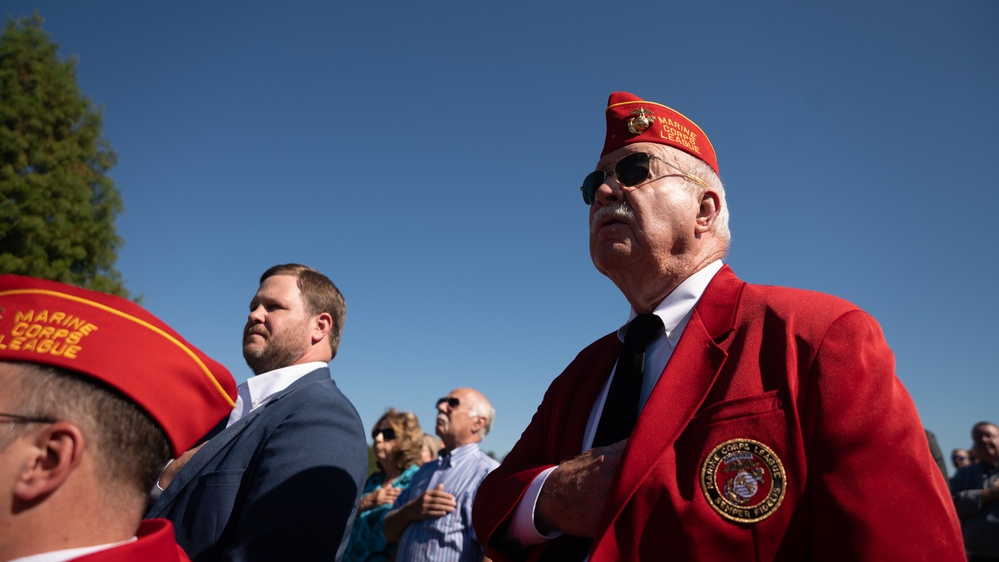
(57, 204)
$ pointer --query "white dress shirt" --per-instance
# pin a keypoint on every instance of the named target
(256, 391)
(675, 311)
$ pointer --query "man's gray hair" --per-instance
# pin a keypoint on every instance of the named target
(482, 407)
(129, 447)
(698, 168)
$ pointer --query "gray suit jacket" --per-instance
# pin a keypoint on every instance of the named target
(283, 483)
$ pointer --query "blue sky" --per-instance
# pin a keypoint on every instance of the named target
(426, 156)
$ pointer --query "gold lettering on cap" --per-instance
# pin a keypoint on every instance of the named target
(47, 332)
(677, 133)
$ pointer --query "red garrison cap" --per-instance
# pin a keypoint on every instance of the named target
(118, 342)
(632, 119)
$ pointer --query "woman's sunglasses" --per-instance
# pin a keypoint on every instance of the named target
(387, 434)
(630, 171)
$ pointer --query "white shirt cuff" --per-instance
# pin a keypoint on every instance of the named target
(522, 528)
(157, 491)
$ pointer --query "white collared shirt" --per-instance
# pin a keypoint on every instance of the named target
(256, 391)
(675, 311)
(69, 553)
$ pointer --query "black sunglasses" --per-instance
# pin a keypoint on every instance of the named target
(453, 402)
(959, 458)
(387, 434)
(630, 171)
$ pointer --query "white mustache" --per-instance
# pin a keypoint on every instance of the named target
(619, 209)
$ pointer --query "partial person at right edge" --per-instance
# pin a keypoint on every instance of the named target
(975, 489)
(282, 480)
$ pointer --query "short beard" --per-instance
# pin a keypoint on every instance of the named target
(269, 358)
(279, 350)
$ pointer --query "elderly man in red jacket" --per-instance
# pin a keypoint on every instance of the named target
(725, 421)
(96, 394)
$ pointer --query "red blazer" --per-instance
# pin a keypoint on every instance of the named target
(778, 431)
(155, 544)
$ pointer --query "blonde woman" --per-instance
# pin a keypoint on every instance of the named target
(397, 440)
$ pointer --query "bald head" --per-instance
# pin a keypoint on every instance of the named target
(464, 416)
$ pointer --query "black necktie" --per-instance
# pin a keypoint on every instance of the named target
(621, 408)
(619, 415)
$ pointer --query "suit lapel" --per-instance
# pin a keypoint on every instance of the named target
(197, 463)
(222, 442)
(683, 386)
(598, 364)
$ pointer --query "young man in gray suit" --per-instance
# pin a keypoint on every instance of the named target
(282, 480)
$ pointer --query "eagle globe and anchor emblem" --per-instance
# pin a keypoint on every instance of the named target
(743, 480)
(641, 122)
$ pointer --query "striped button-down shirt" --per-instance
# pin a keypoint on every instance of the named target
(449, 538)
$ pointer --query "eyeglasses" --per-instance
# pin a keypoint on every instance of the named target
(959, 458)
(388, 434)
(630, 171)
(17, 418)
(453, 402)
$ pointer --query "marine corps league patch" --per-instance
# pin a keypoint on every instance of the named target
(743, 480)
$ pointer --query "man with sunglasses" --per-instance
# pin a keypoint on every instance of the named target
(725, 421)
(281, 479)
(960, 458)
(97, 394)
(432, 518)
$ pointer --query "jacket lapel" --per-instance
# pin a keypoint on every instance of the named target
(222, 442)
(197, 463)
(683, 386)
(599, 361)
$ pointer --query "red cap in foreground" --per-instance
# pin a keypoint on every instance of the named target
(121, 344)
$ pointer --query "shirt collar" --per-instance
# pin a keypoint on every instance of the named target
(459, 454)
(70, 553)
(678, 304)
(257, 391)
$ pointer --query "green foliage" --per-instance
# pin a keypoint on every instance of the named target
(372, 461)
(57, 205)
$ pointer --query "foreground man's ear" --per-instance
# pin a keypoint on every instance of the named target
(50, 455)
